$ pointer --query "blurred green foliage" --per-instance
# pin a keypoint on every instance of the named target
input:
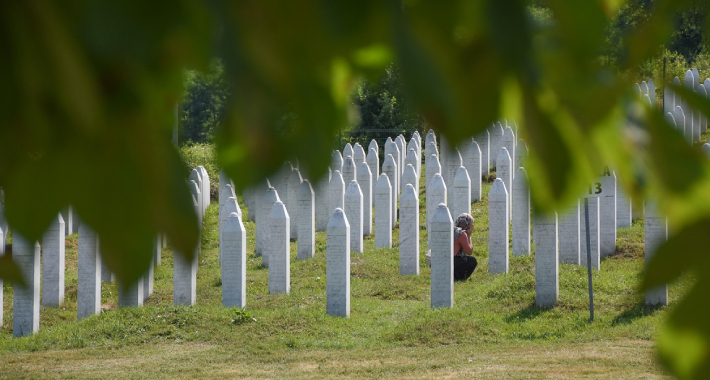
(89, 89)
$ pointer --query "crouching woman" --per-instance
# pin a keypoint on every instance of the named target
(464, 263)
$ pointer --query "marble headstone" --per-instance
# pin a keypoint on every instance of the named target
(373, 162)
(410, 177)
(521, 214)
(323, 201)
(547, 287)
(234, 262)
(498, 230)
(349, 170)
(409, 231)
(347, 151)
(623, 208)
(569, 229)
(53, 263)
(130, 295)
(473, 167)
(338, 265)
(655, 234)
(436, 195)
(442, 258)
(383, 212)
(336, 192)
(484, 143)
(389, 168)
(185, 273)
(509, 142)
(260, 191)
(364, 178)
(88, 297)
(294, 184)
(496, 131)
(25, 304)
(607, 213)
(461, 201)
(358, 154)
(336, 162)
(279, 251)
(306, 218)
(353, 210)
(504, 172)
(270, 198)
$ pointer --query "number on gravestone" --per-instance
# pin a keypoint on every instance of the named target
(594, 190)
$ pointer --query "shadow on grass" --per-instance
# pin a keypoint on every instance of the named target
(639, 310)
(530, 312)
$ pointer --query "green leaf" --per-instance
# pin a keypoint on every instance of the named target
(9, 271)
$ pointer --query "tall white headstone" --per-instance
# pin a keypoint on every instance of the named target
(336, 162)
(547, 284)
(230, 206)
(197, 178)
(484, 143)
(655, 234)
(411, 159)
(508, 143)
(373, 145)
(521, 214)
(623, 208)
(521, 154)
(391, 149)
(261, 229)
(205, 189)
(88, 295)
(436, 195)
(338, 265)
(594, 235)
(358, 154)
(373, 162)
(364, 178)
(504, 172)
(432, 168)
(185, 273)
(496, 131)
(53, 268)
(383, 212)
(402, 146)
(431, 150)
(569, 235)
(473, 167)
(442, 258)
(389, 168)
(410, 177)
(294, 184)
(607, 213)
(453, 163)
(461, 201)
(415, 161)
(195, 190)
(689, 84)
(336, 192)
(25, 305)
(353, 210)
(234, 262)
(444, 154)
(409, 231)
(498, 230)
(323, 201)
(347, 151)
(349, 170)
(279, 250)
(270, 198)
(306, 218)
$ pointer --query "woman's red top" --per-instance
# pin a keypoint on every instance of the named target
(463, 242)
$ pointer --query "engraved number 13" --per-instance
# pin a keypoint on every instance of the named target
(597, 188)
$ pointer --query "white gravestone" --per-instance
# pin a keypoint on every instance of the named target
(195, 190)
(593, 234)
(349, 170)
(431, 151)
(461, 201)
(336, 162)
(444, 154)
(391, 149)
(655, 234)
(185, 273)
(473, 167)
(306, 221)
(364, 178)
(496, 140)
(294, 183)
(442, 258)
(25, 305)
(432, 168)
(504, 172)
(430, 137)
(358, 154)
(383, 212)
(53, 260)
(280, 180)
(130, 295)
(436, 195)
(569, 235)
(205, 189)
(353, 210)
(336, 192)
(409, 231)
(453, 163)
(484, 143)
(411, 159)
(373, 162)
(402, 146)
(347, 151)
(230, 206)
(197, 178)
(509, 143)
(521, 214)
(547, 283)
(323, 201)
(644, 88)
(338, 265)
(689, 84)
(668, 100)
(270, 198)
(88, 294)
(279, 250)
(679, 119)
(389, 168)
(373, 145)
(413, 144)
(521, 154)
(227, 192)
(498, 211)
(234, 263)
(607, 213)
(260, 191)
(623, 208)
(149, 277)
(410, 177)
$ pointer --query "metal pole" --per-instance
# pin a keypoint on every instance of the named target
(589, 262)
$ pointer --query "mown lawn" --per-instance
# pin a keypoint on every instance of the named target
(493, 331)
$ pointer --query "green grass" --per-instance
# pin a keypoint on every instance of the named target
(392, 332)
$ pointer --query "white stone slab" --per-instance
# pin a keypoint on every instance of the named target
(323, 201)
(409, 231)
(547, 283)
(349, 170)
(336, 162)
(197, 178)
(230, 206)
(509, 142)
(373, 145)
(234, 262)
(453, 163)
(655, 234)
(593, 234)
(205, 189)
(504, 171)
(472, 162)
(280, 180)
(569, 236)
(53, 259)
(294, 184)
(702, 120)
(436, 195)
(270, 198)
(402, 146)
(521, 154)
(279, 251)
(338, 265)
(25, 303)
(442, 258)
(260, 191)
(496, 131)
(149, 276)
(689, 84)
(66, 215)
(623, 208)
(353, 210)
(364, 178)
(389, 168)
(336, 192)
(88, 297)
(430, 137)
(411, 159)
(185, 273)
(383, 212)
(392, 150)
(410, 177)
(373, 162)
(607, 213)
(130, 295)
(484, 143)
(431, 150)
(306, 221)
(498, 227)
(414, 145)
(195, 191)
(358, 154)
(347, 151)
(461, 201)
(521, 214)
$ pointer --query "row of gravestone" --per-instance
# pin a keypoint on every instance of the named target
(91, 271)
(691, 123)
